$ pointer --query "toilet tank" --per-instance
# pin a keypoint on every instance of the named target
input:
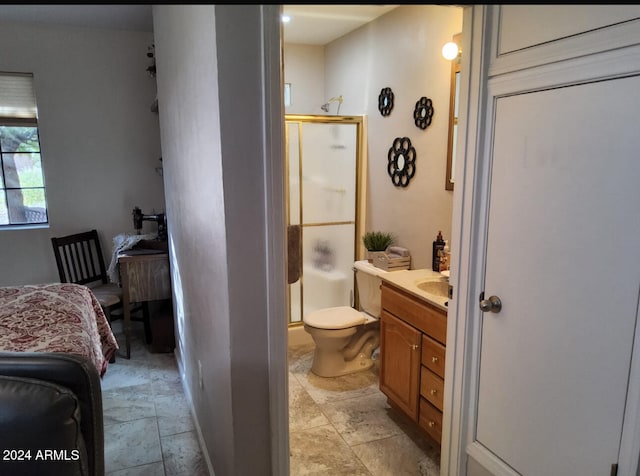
(368, 284)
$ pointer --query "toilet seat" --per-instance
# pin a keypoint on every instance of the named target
(340, 317)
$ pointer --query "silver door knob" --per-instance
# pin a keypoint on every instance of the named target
(492, 304)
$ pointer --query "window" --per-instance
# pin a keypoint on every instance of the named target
(22, 191)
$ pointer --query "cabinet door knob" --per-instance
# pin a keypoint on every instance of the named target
(414, 346)
(433, 391)
(434, 360)
(431, 423)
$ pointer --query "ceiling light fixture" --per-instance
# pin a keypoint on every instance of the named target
(285, 18)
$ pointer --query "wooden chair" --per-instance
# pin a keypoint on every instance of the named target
(80, 261)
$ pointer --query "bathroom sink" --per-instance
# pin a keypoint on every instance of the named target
(437, 288)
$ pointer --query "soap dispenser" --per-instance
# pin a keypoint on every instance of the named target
(438, 246)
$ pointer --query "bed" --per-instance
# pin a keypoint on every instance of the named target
(59, 317)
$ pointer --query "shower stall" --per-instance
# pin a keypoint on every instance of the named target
(325, 189)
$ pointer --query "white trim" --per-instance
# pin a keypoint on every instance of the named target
(464, 321)
(597, 67)
(489, 461)
(630, 442)
(187, 394)
(273, 136)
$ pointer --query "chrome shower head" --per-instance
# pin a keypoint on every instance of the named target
(325, 106)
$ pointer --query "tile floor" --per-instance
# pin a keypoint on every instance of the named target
(344, 426)
(339, 426)
(148, 427)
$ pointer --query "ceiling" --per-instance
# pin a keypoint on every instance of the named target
(118, 17)
(321, 24)
(310, 24)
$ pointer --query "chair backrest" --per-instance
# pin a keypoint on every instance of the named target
(79, 258)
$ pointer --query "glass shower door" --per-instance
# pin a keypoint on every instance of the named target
(323, 190)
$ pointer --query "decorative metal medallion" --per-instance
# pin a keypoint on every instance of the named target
(402, 162)
(423, 113)
(385, 101)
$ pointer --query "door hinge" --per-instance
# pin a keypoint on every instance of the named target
(614, 469)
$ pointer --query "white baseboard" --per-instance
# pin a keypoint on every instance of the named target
(187, 394)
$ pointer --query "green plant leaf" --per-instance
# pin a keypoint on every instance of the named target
(377, 240)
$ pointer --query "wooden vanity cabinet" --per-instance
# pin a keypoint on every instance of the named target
(400, 363)
(412, 357)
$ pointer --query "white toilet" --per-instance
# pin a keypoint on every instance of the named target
(345, 338)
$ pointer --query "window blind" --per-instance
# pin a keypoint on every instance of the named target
(17, 97)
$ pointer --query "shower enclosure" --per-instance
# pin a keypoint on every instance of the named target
(325, 186)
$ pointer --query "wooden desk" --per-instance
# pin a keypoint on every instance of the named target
(144, 277)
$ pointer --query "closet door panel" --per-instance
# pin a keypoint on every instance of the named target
(525, 26)
(562, 255)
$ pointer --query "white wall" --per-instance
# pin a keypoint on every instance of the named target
(215, 174)
(304, 70)
(400, 50)
(100, 142)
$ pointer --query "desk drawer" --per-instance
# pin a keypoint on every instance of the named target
(430, 420)
(147, 277)
(431, 387)
(433, 355)
(415, 312)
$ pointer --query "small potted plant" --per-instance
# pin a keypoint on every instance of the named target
(376, 242)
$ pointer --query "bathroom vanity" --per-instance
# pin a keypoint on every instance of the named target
(413, 329)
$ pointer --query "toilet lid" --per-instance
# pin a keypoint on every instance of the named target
(335, 318)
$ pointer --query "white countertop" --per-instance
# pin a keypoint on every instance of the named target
(407, 279)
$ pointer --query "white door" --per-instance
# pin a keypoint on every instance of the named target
(563, 256)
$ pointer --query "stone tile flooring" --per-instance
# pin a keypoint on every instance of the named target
(148, 427)
(338, 426)
(344, 426)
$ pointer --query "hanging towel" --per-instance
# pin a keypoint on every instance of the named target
(294, 253)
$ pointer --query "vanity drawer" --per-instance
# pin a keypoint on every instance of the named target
(430, 420)
(431, 387)
(433, 355)
(415, 312)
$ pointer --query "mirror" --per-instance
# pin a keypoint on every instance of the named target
(385, 101)
(423, 112)
(401, 165)
(400, 161)
(454, 100)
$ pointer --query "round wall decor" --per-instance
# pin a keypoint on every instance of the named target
(401, 165)
(423, 113)
(385, 101)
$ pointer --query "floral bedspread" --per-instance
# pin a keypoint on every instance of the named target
(55, 318)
